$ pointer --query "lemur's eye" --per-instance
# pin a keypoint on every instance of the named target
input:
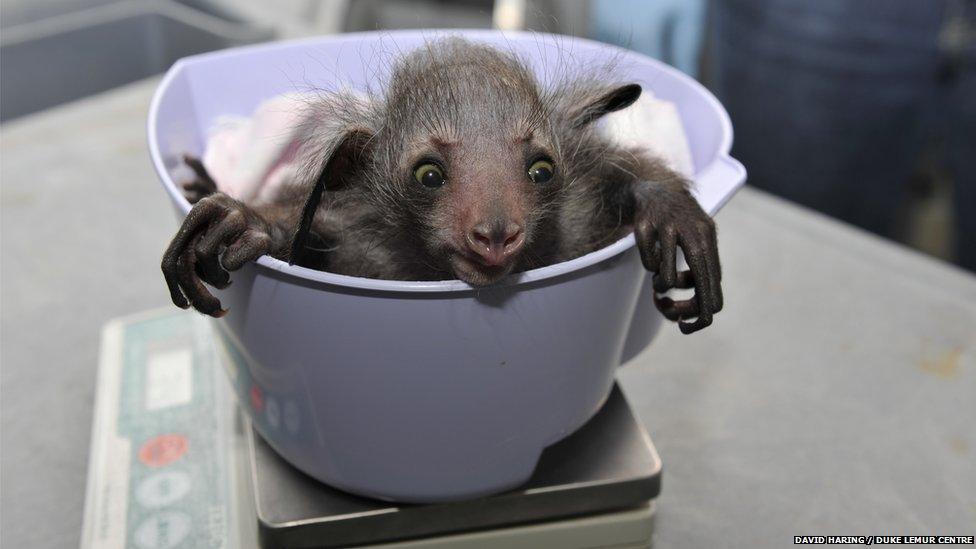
(541, 171)
(429, 175)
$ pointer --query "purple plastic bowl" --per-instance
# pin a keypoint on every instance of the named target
(423, 391)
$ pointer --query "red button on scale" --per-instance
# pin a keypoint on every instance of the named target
(163, 449)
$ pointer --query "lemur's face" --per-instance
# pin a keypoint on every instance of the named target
(483, 196)
(479, 181)
(466, 159)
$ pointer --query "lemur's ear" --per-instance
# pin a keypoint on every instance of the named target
(341, 162)
(347, 159)
(605, 102)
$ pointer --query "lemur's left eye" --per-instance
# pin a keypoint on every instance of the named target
(541, 171)
(429, 175)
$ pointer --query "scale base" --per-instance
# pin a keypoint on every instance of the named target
(602, 477)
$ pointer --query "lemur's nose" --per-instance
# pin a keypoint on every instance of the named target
(496, 243)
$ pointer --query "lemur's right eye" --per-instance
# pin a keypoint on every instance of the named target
(429, 175)
(541, 171)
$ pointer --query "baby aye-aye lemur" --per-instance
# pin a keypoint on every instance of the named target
(466, 169)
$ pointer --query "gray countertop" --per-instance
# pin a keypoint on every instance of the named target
(835, 394)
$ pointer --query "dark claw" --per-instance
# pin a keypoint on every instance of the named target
(248, 248)
(685, 281)
(648, 246)
(208, 248)
(194, 192)
(676, 310)
(199, 216)
(209, 270)
(701, 322)
(197, 294)
(200, 187)
(208, 267)
(194, 255)
(201, 172)
(667, 272)
(659, 235)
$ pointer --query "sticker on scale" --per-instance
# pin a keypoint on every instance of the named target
(160, 466)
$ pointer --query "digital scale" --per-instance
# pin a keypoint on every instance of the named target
(173, 464)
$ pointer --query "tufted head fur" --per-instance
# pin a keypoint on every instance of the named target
(467, 165)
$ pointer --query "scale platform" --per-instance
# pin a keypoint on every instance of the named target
(608, 465)
(174, 465)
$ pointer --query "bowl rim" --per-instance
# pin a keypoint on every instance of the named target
(515, 279)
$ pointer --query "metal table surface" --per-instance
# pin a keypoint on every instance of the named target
(834, 394)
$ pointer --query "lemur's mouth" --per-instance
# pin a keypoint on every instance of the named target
(469, 269)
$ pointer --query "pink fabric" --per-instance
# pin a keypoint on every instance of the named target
(250, 158)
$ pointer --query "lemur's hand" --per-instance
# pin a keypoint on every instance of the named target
(219, 235)
(675, 219)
